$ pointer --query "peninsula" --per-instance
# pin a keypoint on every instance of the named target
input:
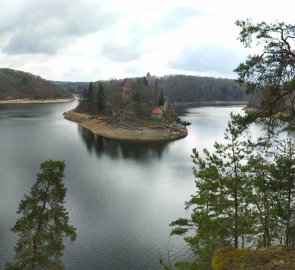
(129, 109)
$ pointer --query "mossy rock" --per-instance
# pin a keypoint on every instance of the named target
(274, 258)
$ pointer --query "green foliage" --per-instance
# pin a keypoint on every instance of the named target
(245, 194)
(272, 71)
(161, 99)
(100, 99)
(44, 222)
(91, 98)
(283, 185)
(220, 216)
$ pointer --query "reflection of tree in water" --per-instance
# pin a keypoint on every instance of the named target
(140, 151)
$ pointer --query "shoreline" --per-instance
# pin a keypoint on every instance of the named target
(208, 103)
(36, 101)
(110, 127)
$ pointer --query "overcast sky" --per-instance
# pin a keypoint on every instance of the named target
(88, 40)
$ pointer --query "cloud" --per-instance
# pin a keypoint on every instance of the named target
(92, 39)
(206, 58)
(121, 52)
(46, 26)
(175, 17)
(124, 44)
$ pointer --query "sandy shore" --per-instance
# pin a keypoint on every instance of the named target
(36, 101)
(108, 126)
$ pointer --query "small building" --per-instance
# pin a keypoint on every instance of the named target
(157, 113)
(127, 90)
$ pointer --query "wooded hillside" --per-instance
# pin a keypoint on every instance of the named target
(183, 88)
(16, 84)
(72, 87)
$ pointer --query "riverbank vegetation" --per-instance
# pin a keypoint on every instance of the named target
(245, 187)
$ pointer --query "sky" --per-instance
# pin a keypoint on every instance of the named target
(90, 40)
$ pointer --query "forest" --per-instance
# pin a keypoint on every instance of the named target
(184, 88)
(16, 84)
(177, 88)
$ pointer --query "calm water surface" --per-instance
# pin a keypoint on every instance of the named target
(121, 196)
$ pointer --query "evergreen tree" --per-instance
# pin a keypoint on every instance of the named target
(221, 216)
(145, 81)
(100, 99)
(283, 171)
(91, 99)
(44, 222)
(272, 71)
(161, 99)
(90, 92)
(245, 195)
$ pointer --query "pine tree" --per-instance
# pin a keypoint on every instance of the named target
(161, 99)
(220, 216)
(44, 222)
(91, 99)
(89, 93)
(283, 171)
(100, 99)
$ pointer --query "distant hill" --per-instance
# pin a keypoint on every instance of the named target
(183, 88)
(72, 87)
(16, 84)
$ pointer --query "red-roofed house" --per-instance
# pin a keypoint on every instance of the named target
(157, 113)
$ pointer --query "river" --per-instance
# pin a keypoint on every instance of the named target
(121, 196)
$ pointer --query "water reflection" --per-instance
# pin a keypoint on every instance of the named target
(139, 151)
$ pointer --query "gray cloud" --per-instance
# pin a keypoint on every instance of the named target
(127, 48)
(207, 58)
(44, 26)
(175, 18)
(121, 52)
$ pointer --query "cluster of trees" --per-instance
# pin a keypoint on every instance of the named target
(93, 99)
(246, 188)
(44, 222)
(245, 195)
(106, 97)
(16, 84)
(183, 88)
(178, 88)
